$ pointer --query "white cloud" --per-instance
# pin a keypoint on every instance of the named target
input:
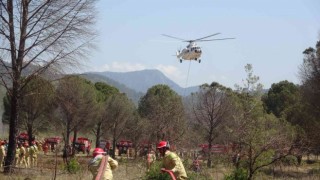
(172, 73)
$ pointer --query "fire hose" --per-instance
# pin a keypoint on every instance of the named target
(102, 168)
(169, 172)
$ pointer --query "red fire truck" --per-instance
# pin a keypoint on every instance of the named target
(51, 142)
(23, 137)
(106, 145)
(215, 148)
(83, 145)
(123, 146)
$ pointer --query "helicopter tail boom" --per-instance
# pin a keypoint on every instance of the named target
(177, 54)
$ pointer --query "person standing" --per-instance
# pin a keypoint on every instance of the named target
(17, 155)
(151, 158)
(33, 150)
(101, 166)
(45, 148)
(171, 161)
(22, 156)
(27, 154)
(2, 153)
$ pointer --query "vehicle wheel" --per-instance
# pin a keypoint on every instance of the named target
(195, 59)
(199, 60)
(180, 60)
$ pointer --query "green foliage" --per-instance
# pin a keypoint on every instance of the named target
(104, 91)
(162, 95)
(261, 135)
(77, 103)
(118, 113)
(310, 88)
(280, 97)
(289, 161)
(73, 166)
(155, 173)
(164, 110)
(237, 174)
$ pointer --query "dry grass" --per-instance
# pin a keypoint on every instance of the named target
(135, 170)
(128, 170)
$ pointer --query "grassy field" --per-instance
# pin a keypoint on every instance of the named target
(135, 169)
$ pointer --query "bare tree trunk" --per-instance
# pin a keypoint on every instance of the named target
(113, 155)
(67, 134)
(98, 134)
(16, 62)
(41, 39)
(210, 141)
(12, 134)
(75, 132)
(14, 96)
(30, 134)
(209, 163)
(66, 142)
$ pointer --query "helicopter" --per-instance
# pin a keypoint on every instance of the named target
(193, 51)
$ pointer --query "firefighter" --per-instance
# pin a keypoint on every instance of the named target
(171, 161)
(33, 150)
(151, 158)
(22, 156)
(2, 153)
(17, 155)
(39, 145)
(45, 148)
(27, 153)
(196, 165)
(99, 156)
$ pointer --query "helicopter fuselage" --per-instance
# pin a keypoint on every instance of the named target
(192, 52)
(189, 54)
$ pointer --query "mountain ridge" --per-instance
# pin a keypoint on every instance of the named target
(142, 80)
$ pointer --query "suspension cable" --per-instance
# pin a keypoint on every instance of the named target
(184, 92)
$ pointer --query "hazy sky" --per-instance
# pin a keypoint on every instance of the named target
(270, 34)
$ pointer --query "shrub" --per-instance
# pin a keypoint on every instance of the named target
(155, 173)
(289, 161)
(73, 166)
(237, 174)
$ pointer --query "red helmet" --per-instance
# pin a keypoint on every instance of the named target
(163, 144)
(98, 151)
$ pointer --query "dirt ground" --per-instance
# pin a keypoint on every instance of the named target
(135, 170)
(128, 169)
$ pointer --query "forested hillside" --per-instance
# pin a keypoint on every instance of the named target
(132, 94)
(141, 81)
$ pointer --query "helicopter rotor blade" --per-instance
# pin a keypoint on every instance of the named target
(215, 39)
(206, 37)
(173, 37)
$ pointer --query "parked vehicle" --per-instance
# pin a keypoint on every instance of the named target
(106, 145)
(83, 145)
(23, 137)
(51, 143)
